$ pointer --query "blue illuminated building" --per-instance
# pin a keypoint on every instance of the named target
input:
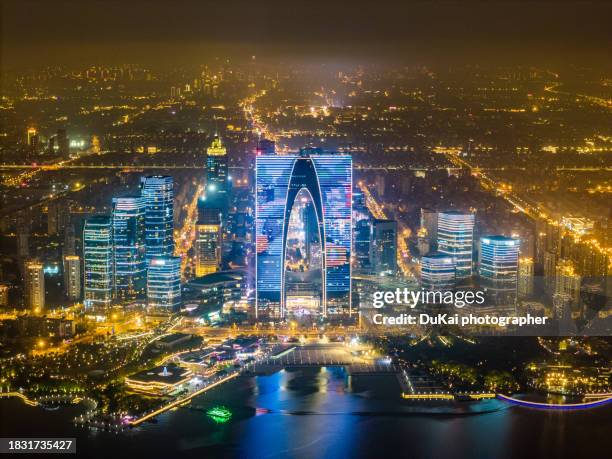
(158, 195)
(98, 262)
(217, 177)
(129, 263)
(327, 178)
(456, 239)
(437, 272)
(498, 266)
(383, 246)
(164, 283)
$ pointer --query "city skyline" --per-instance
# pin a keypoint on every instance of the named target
(306, 230)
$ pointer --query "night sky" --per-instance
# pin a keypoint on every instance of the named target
(166, 32)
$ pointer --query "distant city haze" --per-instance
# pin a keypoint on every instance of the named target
(164, 33)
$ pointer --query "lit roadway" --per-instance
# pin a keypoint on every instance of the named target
(35, 169)
(403, 254)
(488, 183)
(533, 211)
(251, 115)
(605, 103)
(185, 235)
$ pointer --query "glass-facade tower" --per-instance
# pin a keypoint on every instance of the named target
(164, 283)
(129, 247)
(217, 177)
(499, 259)
(208, 241)
(437, 272)
(158, 195)
(456, 239)
(383, 246)
(98, 261)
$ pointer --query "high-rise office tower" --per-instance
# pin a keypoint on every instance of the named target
(456, 238)
(129, 264)
(98, 261)
(72, 277)
(32, 138)
(498, 267)
(383, 246)
(217, 178)
(437, 272)
(158, 194)
(326, 179)
(525, 277)
(208, 241)
(362, 243)
(164, 283)
(35, 286)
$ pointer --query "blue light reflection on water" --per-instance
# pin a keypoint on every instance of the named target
(314, 413)
(273, 435)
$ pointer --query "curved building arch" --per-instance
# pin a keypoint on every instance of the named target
(328, 180)
(304, 177)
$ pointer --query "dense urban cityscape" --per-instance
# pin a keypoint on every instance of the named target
(214, 252)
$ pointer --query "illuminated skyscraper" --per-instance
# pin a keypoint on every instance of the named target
(98, 261)
(437, 272)
(217, 179)
(362, 243)
(456, 238)
(383, 246)
(525, 277)
(72, 277)
(35, 286)
(32, 139)
(129, 265)
(208, 241)
(327, 180)
(164, 283)
(158, 194)
(498, 267)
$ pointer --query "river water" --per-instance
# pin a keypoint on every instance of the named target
(323, 413)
